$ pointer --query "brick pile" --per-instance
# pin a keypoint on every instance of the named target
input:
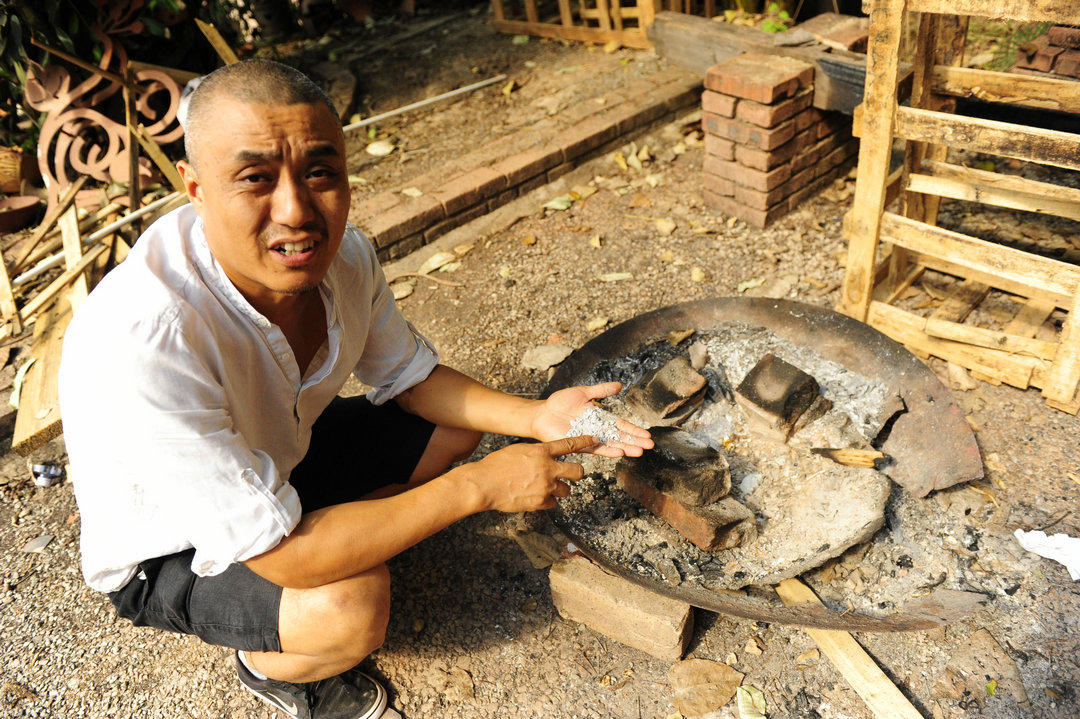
(766, 148)
(503, 169)
(1057, 52)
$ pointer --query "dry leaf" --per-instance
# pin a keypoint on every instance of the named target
(560, 203)
(619, 160)
(752, 647)
(675, 337)
(528, 241)
(749, 284)
(596, 241)
(451, 266)
(509, 88)
(633, 161)
(402, 290)
(959, 378)
(679, 148)
(697, 274)
(612, 46)
(380, 148)
(808, 657)
(665, 225)
(639, 200)
(436, 261)
(653, 180)
(596, 323)
(751, 702)
(463, 249)
(504, 272)
(643, 154)
(615, 277)
(583, 191)
(412, 191)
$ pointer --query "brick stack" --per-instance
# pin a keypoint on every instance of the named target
(1056, 52)
(766, 148)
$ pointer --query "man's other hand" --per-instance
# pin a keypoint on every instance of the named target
(555, 414)
(527, 477)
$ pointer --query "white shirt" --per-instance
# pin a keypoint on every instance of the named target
(184, 411)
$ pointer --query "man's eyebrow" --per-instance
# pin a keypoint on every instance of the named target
(323, 149)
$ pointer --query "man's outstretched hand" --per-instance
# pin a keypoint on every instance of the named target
(526, 477)
(555, 414)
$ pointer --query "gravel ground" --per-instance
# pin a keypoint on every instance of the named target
(473, 632)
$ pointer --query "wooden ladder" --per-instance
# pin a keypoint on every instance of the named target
(930, 128)
(597, 21)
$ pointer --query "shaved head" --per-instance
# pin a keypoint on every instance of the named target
(255, 82)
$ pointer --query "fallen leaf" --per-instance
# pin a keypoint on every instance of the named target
(567, 70)
(402, 290)
(619, 160)
(700, 230)
(697, 274)
(752, 647)
(560, 203)
(380, 148)
(643, 154)
(991, 686)
(530, 64)
(596, 323)
(545, 356)
(615, 277)
(519, 40)
(37, 544)
(357, 180)
(435, 262)
(412, 191)
(665, 225)
(653, 180)
(701, 686)
(808, 657)
(612, 46)
(679, 148)
(509, 88)
(749, 284)
(666, 256)
(463, 249)
(751, 702)
(451, 266)
(504, 272)
(583, 191)
(596, 241)
(633, 161)
(639, 200)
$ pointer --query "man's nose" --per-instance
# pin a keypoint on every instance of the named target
(292, 203)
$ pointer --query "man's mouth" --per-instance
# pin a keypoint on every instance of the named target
(289, 249)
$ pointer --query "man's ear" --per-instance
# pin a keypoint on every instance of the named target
(191, 183)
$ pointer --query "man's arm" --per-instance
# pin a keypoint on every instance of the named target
(343, 540)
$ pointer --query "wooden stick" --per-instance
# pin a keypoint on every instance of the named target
(865, 677)
(530, 11)
(131, 118)
(992, 188)
(422, 103)
(565, 14)
(53, 235)
(992, 339)
(1042, 92)
(217, 42)
(959, 305)
(153, 151)
(850, 457)
(69, 231)
(1064, 12)
(1064, 376)
(66, 198)
(111, 76)
(43, 298)
(1029, 319)
(38, 418)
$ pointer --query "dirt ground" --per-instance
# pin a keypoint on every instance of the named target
(473, 632)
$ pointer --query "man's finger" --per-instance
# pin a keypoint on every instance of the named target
(569, 445)
(604, 389)
(562, 489)
(633, 430)
(569, 470)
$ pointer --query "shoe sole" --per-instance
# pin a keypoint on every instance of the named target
(375, 712)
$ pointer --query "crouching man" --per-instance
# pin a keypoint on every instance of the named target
(225, 490)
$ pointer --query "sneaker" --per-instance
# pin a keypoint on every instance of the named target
(349, 695)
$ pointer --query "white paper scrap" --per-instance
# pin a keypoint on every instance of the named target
(1059, 547)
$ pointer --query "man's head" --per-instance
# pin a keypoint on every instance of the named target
(266, 172)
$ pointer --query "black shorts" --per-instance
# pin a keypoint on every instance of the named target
(238, 608)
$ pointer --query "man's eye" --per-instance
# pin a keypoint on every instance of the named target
(321, 173)
(254, 178)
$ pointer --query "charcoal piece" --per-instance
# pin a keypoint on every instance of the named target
(683, 466)
(669, 395)
(774, 395)
(718, 386)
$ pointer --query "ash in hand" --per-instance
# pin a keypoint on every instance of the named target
(598, 423)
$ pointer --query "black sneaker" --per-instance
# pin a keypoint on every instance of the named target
(350, 695)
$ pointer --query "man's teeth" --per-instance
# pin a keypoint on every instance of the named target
(294, 248)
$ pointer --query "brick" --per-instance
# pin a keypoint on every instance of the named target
(752, 217)
(759, 200)
(521, 166)
(455, 221)
(806, 118)
(683, 467)
(1038, 54)
(533, 183)
(1068, 63)
(721, 525)
(666, 77)
(851, 35)
(502, 198)
(404, 219)
(402, 247)
(718, 185)
(799, 181)
(635, 112)
(559, 170)
(619, 609)
(469, 188)
(774, 394)
(719, 148)
(375, 205)
(760, 77)
(578, 111)
(679, 94)
(751, 135)
(718, 104)
(586, 135)
(764, 159)
(748, 176)
(1063, 36)
(771, 115)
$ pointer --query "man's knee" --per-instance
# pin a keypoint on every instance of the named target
(462, 442)
(349, 616)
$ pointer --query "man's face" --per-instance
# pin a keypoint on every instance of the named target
(273, 193)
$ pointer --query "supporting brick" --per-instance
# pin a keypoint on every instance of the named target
(772, 115)
(755, 218)
(467, 189)
(748, 176)
(718, 104)
(455, 221)
(718, 185)
(404, 219)
(760, 77)
(752, 135)
(616, 608)
(586, 135)
(1063, 36)
(521, 166)
(719, 148)
(764, 159)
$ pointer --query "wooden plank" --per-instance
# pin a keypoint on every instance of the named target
(604, 14)
(217, 42)
(992, 188)
(1064, 376)
(991, 339)
(875, 149)
(7, 301)
(959, 304)
(616, 13)
(65, 200)
(932, 262)
(530, 11)
(565, 13)
(1046, 93)
(38, 418)
(497, 9)
(69, 231)
(154, 152)
(1057, 11)
(856, 666)
(907, 329)
(1049, 147)
(1030, 318)
(646, 12)
(634, 38)
(43, 298)
(1040, 274)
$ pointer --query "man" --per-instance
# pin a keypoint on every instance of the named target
(225, 491)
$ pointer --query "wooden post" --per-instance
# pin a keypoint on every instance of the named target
(69, 231)
(565, 14)
(218, 42)
(131, 118)
(646, 13)
(875, 148)
(498, 11)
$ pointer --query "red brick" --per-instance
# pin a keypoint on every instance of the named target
(375, 205)
(586, 135)
(409, 217)
(402, 247)
(764, 159)
(665, 77)
(848, 32)
(1063, 36)
(679, 94)
(636, 111)
(719, 147)
(806, 118)
(760, 77)
(772, 115)
(814, 187)
(1038, 54)
(455, 221)
(468, 189)
(719, 104)
(502, 198)
(757, 199)
(755, 218)
(1068, 63)
(530, 185)
(803, 140)
(578, 111)
(559, 170)
(799, 181)
(718, 185)
(752, 135)
(530, 163)
(748, 176)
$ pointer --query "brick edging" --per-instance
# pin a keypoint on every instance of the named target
(500, 171)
